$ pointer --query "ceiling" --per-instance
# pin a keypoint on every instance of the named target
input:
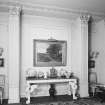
(94, 7)
(86, 5)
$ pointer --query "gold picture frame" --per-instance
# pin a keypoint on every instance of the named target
(49, 53)
(1, 62)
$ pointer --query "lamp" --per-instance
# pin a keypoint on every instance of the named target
(92, 57)
(1, 51)
(93, 54)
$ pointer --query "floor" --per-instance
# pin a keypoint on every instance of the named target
(49, 99)
(63, 98)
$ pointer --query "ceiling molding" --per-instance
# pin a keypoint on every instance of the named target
(52, 11)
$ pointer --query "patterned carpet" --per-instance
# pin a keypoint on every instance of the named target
(76, 102)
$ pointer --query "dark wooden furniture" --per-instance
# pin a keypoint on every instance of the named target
(101, 95)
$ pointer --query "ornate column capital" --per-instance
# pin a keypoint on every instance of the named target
(15, 10)
(84, 18)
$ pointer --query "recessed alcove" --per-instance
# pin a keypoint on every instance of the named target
(20, 26)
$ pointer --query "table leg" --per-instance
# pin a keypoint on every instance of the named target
(29, 90)
(28, 87)
(93, 90)
(74, 89)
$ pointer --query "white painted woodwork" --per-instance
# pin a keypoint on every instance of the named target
(14, 54)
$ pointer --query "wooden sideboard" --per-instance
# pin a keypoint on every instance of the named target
(33, 84)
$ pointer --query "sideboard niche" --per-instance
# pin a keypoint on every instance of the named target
(33, 79)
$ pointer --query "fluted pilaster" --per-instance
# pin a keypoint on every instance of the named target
(14, 53)
(84, 55)
(15, 10)
(84, 19)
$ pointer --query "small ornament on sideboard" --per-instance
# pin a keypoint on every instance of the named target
(53, 73)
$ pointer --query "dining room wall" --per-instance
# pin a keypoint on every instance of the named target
(39, 27)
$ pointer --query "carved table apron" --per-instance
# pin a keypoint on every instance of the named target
(33, 84)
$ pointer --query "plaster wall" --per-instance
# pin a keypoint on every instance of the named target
(4, 44)
(98, 45)
(39, 27)
(36, 27)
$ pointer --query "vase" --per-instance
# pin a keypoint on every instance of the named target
(92, 76)
(52, 90)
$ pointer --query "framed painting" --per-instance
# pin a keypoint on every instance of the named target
(50, 53)
(1, 62)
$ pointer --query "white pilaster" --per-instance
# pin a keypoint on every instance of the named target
(84, 56)
(14, 53)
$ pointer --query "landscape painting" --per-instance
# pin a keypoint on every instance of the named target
(50, 53)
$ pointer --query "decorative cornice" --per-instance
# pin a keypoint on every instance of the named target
(60, 11)
(30, 8)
